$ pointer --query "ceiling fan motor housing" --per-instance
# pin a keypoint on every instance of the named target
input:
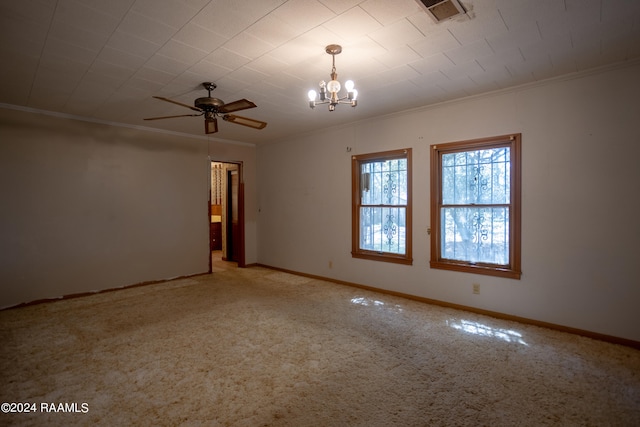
(209, 104)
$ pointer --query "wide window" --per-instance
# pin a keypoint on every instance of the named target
(381, 207)
(475, 206)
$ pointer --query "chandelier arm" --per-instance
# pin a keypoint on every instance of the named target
(342, 100)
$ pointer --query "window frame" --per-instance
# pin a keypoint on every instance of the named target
(356, 251)
(513, 269)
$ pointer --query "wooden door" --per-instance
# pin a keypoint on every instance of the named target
(233, 231)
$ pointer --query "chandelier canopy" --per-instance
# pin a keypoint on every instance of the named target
(329, 91)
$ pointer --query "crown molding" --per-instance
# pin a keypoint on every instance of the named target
(120, 125)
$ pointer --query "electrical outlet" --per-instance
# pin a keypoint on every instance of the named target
(476, 288)
(330, 264)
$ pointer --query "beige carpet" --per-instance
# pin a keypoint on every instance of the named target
(257, 347)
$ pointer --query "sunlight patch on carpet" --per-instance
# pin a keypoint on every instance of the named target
(372, 302)
(476, 328)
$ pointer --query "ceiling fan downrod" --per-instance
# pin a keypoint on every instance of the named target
(209, 87)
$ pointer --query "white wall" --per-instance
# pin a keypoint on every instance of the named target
(581, 184)
(88, 206)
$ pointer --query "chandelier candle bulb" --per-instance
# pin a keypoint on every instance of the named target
(349, 85)
(323, 91)
(312, 97)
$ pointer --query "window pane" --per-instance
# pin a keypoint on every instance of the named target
(384, 182)
(476, 177)
(383, 229)
(475, 234)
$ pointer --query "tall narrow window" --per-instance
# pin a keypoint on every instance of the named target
(475, 206)
(381, 208)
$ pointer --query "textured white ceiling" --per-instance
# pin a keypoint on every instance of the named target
(106, 59)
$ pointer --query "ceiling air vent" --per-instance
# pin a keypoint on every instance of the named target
(441, 10)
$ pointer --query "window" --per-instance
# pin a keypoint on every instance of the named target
(381, 208)
(475, 206)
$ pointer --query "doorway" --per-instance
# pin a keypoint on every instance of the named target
(226, 212)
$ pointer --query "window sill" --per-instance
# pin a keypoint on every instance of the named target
(383, 258)
(487, 270)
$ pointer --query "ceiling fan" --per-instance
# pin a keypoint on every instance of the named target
(211, 108)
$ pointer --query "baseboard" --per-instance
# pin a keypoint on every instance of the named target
(84, 294)
(595, 335)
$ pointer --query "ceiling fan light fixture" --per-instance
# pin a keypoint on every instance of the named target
(210, 125)
(333, 87)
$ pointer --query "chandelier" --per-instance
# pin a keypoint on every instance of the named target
(329, 91)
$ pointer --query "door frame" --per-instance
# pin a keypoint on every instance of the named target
(241, 216)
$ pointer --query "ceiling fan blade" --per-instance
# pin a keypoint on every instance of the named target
(240, 104)
(244, 121)
(171, 117)
(177, 103)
